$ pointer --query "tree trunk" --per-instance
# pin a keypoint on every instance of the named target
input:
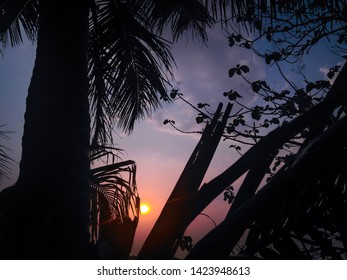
(319, 159)
(181, 213)
(270, 144)
(169, 228)
(54, 169)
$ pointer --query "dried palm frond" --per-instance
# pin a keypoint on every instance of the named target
(114, 195)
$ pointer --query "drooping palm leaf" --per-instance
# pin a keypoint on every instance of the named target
(180, 16)
(17, 16)
(115, 196)
(128, 68)
(5, 160)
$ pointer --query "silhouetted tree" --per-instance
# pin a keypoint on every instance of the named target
(291, 205)
(101, 60)
(295, 214)
(98, 57)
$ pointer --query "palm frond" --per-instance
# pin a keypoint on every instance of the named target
(128, 69)
(115, 196)
(17, 16)
(101, 124)
(105, 154)
(180, 16)
(5, 160)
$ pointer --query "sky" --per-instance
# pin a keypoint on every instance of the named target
(161, 152)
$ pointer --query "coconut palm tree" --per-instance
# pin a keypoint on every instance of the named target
(95, 60)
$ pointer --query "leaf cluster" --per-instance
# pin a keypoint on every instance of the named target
(293, 30)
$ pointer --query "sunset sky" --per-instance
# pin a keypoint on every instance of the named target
(159, 151)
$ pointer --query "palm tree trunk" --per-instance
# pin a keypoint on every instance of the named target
(54, 169)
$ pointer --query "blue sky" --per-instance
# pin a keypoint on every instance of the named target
(161, 152)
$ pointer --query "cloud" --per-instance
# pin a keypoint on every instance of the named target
(324, 70)
(202, 76)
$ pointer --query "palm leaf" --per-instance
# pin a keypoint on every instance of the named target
(17, 16)
(5, 160)
(128, 69)
(180, 16)
(115, 193)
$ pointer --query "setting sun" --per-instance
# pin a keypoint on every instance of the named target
(144, 208)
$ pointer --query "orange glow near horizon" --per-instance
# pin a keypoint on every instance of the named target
(144, 208)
